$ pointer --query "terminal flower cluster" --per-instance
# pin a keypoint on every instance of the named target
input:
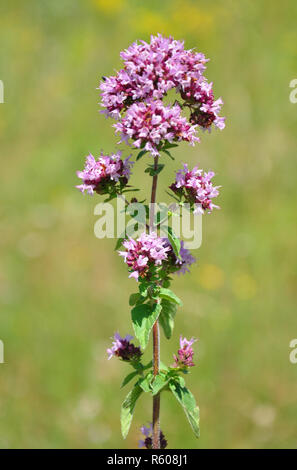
(150, 70)
(151, 125)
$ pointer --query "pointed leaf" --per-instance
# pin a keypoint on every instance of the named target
(128, 409)
(188, 403)
(148, 365)
(168, 145)
(134, 298)
(128, 378)
(169, 295)
(145, 382)
(159, 383)
(174, 240)
(166, 317)
(168, 153)
(143, 319)
(143, 152)
(119, 243)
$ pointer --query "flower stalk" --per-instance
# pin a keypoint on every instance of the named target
(135, 97)
(156, 330)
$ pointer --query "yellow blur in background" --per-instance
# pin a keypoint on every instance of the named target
(63, 293)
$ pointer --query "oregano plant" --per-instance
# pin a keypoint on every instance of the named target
(137, 97)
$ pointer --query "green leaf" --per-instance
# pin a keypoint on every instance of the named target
(168, 153)
(169, 295)
(148, 365)
(143, 152)
(135, 213)
(152, 171)
(110, 198)
(134, 298)
(130, 190)
(166, 317)
(119, 243)
(174, 240)
(172, 195)
(128, 378)
(128, 409)
(159, 383)
(143, 319)
(168, 145)
(145, 382)
(143, 287)
(188, 403)
(166, 283)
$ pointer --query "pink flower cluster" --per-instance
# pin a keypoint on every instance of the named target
(122, 348)
(150, 70)
(195, 187)
(207, 111)
(185, 354)
(147, 251)
(150, 251)
(102, 174)
(152, 124)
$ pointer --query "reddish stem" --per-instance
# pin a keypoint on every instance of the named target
(156, 333)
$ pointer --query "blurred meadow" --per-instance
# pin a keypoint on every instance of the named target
(63, 292)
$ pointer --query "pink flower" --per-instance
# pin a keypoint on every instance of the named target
(142, 254)
(152, 69)
(151, 125)
(185, 354)
(102, 175)
(149, 252)
(195, 187)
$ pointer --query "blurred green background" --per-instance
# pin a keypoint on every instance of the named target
(63, 292)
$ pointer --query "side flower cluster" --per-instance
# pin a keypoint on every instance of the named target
(147, 441)
(195, 187)
(184, 357)
(124, 349)
(149, 252)
(107, 174)
(150, 70)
